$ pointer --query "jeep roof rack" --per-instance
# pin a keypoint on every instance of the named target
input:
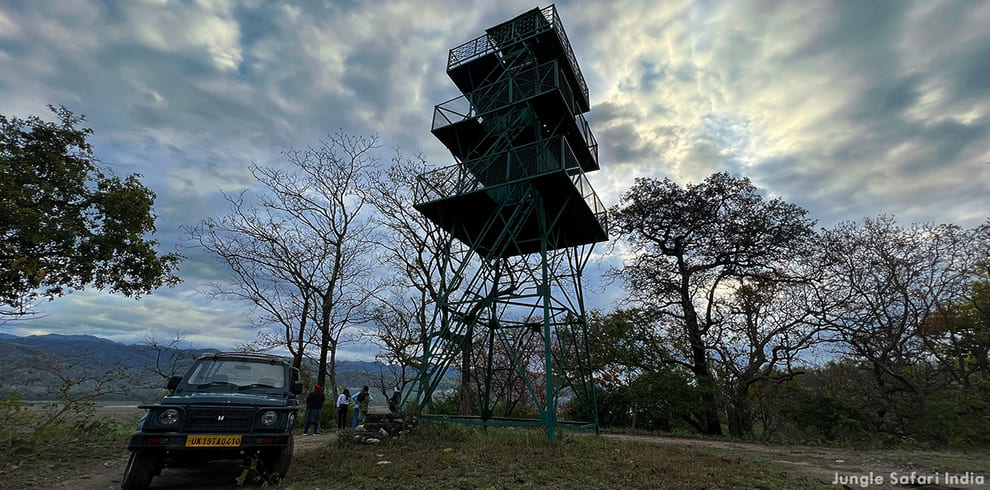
(248, 356)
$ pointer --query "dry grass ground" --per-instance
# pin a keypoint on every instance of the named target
(451, 456)
(456, 456)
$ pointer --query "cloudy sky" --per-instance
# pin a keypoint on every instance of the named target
(848, 108)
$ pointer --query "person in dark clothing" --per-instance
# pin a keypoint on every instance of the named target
(393, 402)
(343, 401)
(314, 403)
(364, 402)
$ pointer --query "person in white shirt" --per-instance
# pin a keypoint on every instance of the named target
(343, 401)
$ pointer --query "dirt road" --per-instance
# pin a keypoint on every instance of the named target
(878, 469)
(217, 475)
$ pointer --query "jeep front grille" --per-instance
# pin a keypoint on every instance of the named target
(219, 419)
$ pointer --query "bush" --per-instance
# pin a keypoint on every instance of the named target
(15, 421)
(27, 432)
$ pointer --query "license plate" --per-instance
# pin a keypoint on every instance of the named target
(213, 441)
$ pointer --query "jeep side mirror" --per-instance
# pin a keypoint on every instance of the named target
(173, 383)
(297, 387)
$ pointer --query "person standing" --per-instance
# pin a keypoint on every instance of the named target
(314, 404)
(354, 401)
(364, 402)
(393, 402)
(342, 402)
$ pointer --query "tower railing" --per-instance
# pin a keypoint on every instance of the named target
(453, 111)
(516, 31)
(497, 97)
(590, 197)
(507, 168)
(584, 129)
(533, 82)
(489, 171)
(470, 50)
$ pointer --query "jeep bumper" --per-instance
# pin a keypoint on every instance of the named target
(173, 442)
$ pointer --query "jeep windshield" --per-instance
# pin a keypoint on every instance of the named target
(239, 373)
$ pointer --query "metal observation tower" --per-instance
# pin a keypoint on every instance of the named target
(522, 220)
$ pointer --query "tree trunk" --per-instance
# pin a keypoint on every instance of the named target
(739, 415)
(321, 370)
(297, 353)
(708, 415)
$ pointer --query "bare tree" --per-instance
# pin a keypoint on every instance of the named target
(513, 368)
(168, 357)
(686, 246)
(300, 251)
(399, 336)
(881, 283)
(421, 252)
(431, 263)
(75, 383)
(768, 326)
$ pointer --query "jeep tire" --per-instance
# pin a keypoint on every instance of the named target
(276, 462)
(141, 468)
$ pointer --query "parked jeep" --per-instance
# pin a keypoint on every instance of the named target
(227, 406)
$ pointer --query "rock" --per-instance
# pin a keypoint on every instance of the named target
(382, 426)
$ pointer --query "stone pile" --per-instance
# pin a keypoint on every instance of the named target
(380, 426)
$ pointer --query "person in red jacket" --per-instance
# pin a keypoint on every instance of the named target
(314, 404)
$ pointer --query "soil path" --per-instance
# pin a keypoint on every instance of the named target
(828, 465)
(217, 475)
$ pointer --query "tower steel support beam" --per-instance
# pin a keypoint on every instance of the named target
(513, 310)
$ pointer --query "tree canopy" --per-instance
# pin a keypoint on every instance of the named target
(66, 222)
(688, 246)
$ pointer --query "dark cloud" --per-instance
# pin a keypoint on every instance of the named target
(619, 141)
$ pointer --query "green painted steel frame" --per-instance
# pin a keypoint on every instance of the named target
(522, 304)
(555, 290)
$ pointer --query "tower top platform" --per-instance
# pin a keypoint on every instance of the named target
(521, 143)
(540, 27)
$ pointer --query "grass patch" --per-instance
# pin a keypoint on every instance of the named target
(457, 456)
(83, 436)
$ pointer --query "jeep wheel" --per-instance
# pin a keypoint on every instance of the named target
(140, 470)
(276, 462)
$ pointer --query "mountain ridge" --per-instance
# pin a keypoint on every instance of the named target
(25, 362)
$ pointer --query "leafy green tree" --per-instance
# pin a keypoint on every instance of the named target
(687, 245)
(830, 404)
(622, 346)
(67, 222)
(958, 335)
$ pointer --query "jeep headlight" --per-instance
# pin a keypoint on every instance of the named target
(168, 416)
(269, 418)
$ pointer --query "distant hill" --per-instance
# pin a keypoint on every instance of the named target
(22, 361)
(96, 349)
